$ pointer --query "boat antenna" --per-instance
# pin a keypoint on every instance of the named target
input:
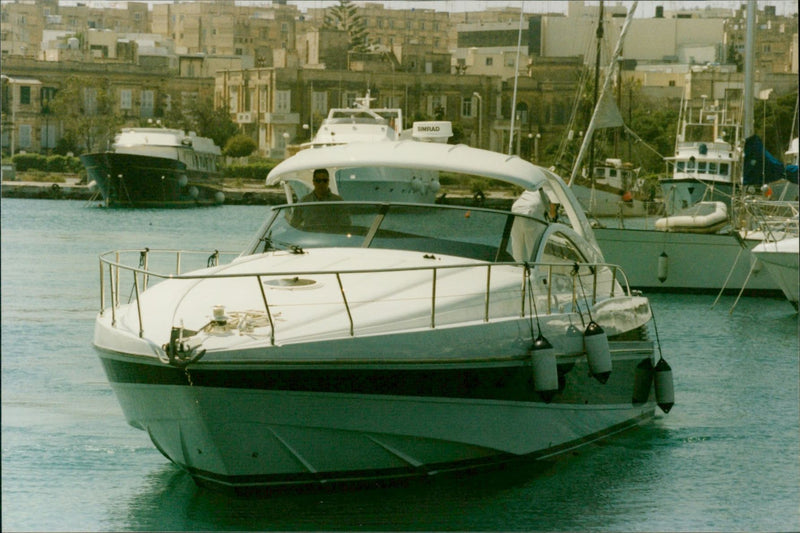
(516, 79)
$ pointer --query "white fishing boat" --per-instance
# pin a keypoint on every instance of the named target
(394, 340)
(363, 123)
(615, 190)
(705, 166)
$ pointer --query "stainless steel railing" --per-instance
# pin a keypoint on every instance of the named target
(614, 279)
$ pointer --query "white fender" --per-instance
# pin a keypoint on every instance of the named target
(665, 393)
(545, 368)
(598, 353)
(663, 267)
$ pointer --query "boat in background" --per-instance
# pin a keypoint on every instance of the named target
(358, 342)
(706, 161)
(157, 167)
(782, 259)
(360, 123)
(765, 175)
(615, 190)
(363, 123)
(773, 226)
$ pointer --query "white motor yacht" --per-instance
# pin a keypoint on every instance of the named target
(355, 341)
(364, 123)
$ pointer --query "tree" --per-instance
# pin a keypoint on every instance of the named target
(86, 111)
(239, 145)
(345, 17)
(200, 115)
(773, 121)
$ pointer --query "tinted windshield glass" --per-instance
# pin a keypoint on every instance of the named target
(473, 233)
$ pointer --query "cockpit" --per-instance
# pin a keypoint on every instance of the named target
(472, 233)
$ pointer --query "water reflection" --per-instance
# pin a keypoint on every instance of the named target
(169, 500)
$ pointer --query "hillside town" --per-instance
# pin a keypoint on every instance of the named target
(276, 68)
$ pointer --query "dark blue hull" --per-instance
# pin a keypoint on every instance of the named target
(128, 180)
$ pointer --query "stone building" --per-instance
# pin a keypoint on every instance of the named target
(277, 69)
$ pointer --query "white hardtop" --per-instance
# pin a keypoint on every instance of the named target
(455, 158)
(412, 155)
(132, 137)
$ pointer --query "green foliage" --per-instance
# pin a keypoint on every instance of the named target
(458, 134)
(87, 112)
(200, 116)
(344, 16)
(24, 162)
(240, 145)
(772, 121)
(62, 163)
(68, 143)
(42, 163)
(253, 171)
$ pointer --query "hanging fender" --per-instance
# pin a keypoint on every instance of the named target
(663, 267)
(598, 354)
(665, 393)
(545, 368)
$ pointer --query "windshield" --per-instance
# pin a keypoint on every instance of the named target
(449, 230)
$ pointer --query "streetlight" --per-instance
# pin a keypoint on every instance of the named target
(480, 113)
(535, 140)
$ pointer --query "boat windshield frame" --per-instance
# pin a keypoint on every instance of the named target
(475, 233)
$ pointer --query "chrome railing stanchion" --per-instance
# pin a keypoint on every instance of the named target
(113, 296)
(525, 274)
(269, 314)
(433, 299)
(574, 292)
(488, 291)
(344, 299)
(116, 276)
(102, 289)
(613, 280)
(145, 263)
(138, 303)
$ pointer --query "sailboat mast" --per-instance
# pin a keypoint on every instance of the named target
(599, 36)
(749, 59)
(593, 121)
(516, 79)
